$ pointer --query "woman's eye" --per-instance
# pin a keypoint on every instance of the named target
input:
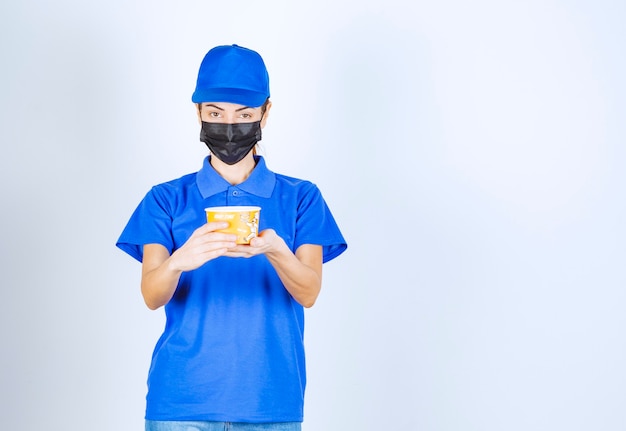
(246, 115)
(214, 114)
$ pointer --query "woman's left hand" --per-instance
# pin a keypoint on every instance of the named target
(300, 272)
(267, 241)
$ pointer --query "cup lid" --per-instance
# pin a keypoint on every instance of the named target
(233, 208)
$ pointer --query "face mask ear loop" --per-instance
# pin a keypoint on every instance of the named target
(259, 133)
(267, 101)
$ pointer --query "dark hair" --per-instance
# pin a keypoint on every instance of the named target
(264, 106)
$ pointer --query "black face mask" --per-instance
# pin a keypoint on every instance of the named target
(230, 142)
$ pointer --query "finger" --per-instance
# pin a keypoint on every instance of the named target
(231, 253)
(241, 248)
(267, 232)
(212, 254)
(216, 225)
(207, 255)
(210, 227)
(246, 250)
(209, 247)
(212, 236)
(257, 242)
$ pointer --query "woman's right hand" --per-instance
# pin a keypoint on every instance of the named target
(161, 272)
(202, 246)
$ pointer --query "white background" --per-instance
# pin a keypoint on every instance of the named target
(472, 152)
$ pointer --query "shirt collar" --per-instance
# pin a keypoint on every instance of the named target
(260, 182)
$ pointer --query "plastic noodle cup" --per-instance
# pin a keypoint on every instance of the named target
(243, 221)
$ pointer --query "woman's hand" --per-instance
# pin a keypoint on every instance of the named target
(161, 272)
(203, 245)
(300, 272)
(266, 242)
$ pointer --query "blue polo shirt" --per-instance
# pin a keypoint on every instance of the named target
(232, 348)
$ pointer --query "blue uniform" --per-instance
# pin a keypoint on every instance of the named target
(232, 348)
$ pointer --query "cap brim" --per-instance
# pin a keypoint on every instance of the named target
(230, 95)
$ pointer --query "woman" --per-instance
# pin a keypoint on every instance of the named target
(231, 355)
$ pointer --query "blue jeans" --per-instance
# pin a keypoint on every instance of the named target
(219, 426)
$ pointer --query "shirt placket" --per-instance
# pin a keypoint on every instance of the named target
(234, 196)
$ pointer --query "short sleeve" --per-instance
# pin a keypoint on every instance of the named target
(315, 224)
(150, 223)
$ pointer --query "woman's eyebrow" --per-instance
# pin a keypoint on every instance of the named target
(214, 106)
(217, 107)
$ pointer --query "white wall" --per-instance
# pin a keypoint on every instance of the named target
(491, 132)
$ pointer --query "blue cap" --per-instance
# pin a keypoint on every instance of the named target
(233, 74)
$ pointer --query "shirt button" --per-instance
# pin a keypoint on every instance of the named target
(235, 193)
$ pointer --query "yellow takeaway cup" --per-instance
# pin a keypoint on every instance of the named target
(243, 221)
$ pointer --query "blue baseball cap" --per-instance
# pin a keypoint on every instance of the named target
(234, 74)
